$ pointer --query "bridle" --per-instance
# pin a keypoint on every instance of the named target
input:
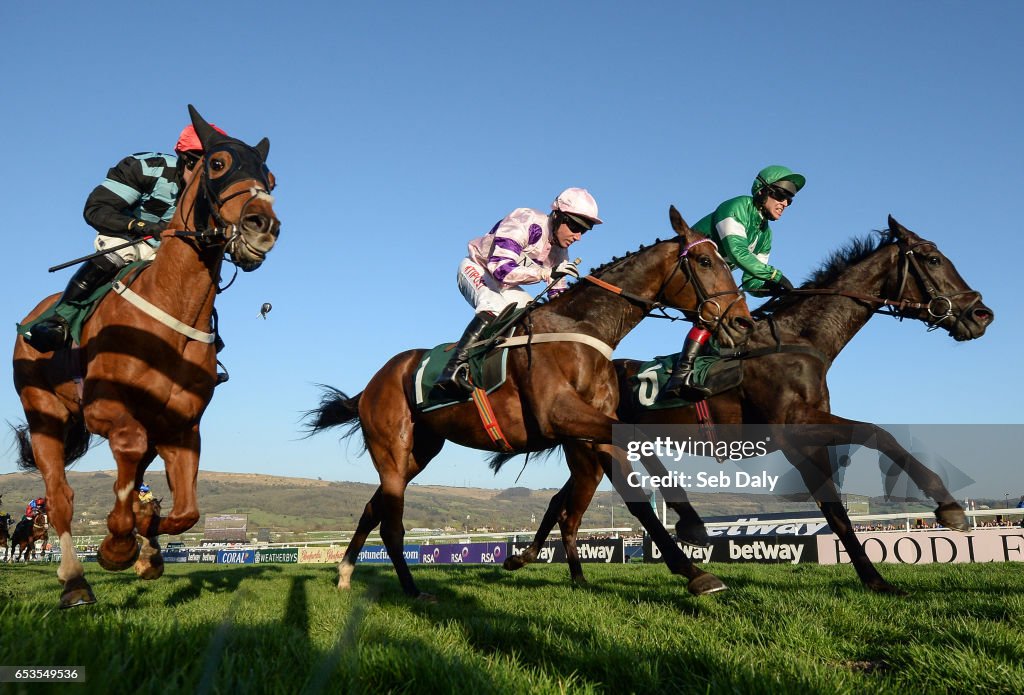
(210, 197)
(938, 306)
(704, 299)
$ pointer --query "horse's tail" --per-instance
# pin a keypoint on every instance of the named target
(499, 459)
(77, 441)
(335, 409)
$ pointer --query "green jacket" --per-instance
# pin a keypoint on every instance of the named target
(744, 239)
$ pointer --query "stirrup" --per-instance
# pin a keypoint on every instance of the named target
(457, 385)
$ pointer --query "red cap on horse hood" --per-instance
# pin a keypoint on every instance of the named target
(189, 141)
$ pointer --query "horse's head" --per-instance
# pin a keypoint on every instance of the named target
(928, 278)
(702, 278)
(234, 187)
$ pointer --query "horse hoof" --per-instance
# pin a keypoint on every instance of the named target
(112, 560)
(513, 563)
(705, 584)
(77, 592)
(952, 517)
(883, 587)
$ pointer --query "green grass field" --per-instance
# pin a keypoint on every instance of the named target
(286, 629)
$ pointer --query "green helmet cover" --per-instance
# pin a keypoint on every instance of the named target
(774, 173)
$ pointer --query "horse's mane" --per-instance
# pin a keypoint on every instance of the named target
(835, 264)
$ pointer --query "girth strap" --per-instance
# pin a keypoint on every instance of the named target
(520, 340)
(489, 419)
(160, 315)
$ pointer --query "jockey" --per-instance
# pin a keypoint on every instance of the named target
(739, 227)
(34, 507)
(145, 494)
(135, 202)
(526, 247)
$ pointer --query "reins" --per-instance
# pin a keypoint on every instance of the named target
(898, 307)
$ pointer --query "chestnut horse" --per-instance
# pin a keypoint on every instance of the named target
(26, 534)
(555, 391)
(901, 271)
(147, 374)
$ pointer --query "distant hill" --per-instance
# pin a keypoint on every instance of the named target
(295, 506)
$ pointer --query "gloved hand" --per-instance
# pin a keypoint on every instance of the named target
(780, 286)
(143, 228)
(565, 268)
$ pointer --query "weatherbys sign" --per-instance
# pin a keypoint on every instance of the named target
(926, 547)
(767, 549)
(608, 550)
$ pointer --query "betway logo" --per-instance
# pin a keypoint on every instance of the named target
(603, 553)
(696, 553)
(744, 527)
(759, 550)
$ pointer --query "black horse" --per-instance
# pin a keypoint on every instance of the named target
(900, 271)
(5, 534)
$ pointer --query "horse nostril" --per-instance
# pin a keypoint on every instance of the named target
(983, 315)
(256, 223)
(744, 325)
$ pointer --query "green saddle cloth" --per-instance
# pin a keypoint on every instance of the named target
(76, 313)
(487, 367)
(714, 371)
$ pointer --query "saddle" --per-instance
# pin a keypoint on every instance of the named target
(77, 313)
(488, 368)
(717, 372)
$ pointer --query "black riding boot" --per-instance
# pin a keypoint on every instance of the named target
(53, 333)
(681, 383)
(451, 381)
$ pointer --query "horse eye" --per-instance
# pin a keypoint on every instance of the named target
(217, 165)
(934, 260)
(705, 262)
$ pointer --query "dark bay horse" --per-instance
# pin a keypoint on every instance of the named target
(555, 391)
(902, 271)
(5, 534)
(145, 380)
(26, 534)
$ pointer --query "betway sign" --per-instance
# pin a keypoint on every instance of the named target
(769, 549)
(607, 550)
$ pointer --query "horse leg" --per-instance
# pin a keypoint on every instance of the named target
(840, 430)
(181, 463)
(367, 522)
(129, 444)
(813, 465)
(47, 443)
(553, 515)
(700, 582)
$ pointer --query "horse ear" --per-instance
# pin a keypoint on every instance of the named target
(204, 130)
(263, 148)
(899, 230)
(678, 223)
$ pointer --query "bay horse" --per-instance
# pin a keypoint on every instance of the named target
(26, 534)
(901, 271)
(147, 373)
(5, 534)
(554, 391)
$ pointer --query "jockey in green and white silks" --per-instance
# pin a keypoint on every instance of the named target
(740, 228)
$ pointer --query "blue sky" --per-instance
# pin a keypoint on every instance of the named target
(401, 130)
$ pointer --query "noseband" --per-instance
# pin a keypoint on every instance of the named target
(939, 306)
(704, 299)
